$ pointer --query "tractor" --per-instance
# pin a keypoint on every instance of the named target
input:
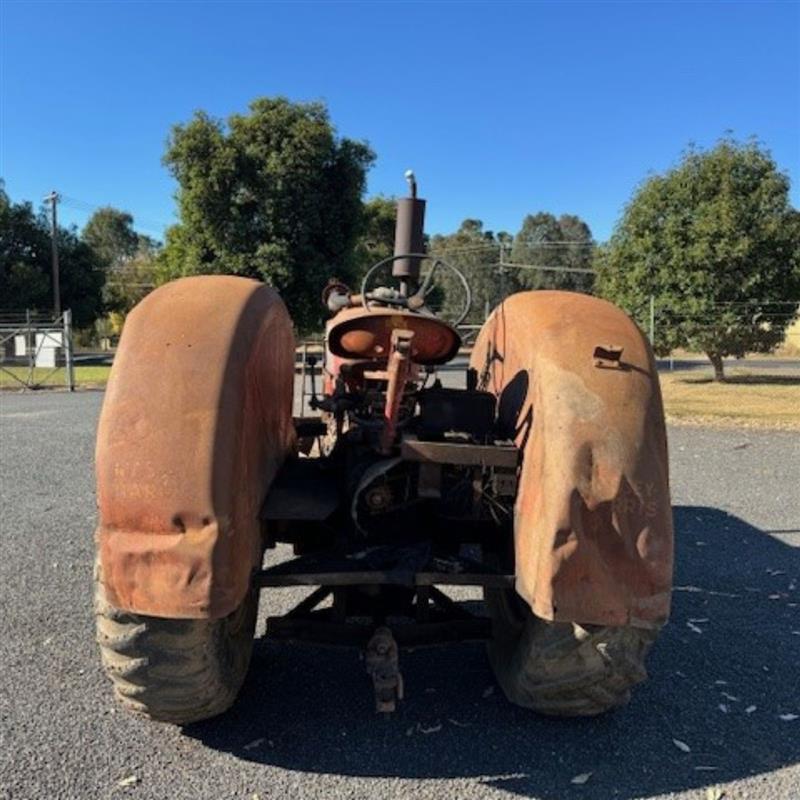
(532, 468)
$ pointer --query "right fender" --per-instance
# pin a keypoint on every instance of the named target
(196, 421)
(592, 520)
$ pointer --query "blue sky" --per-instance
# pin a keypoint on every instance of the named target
(501, 109)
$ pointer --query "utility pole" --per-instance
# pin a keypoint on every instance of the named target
(502, 275)
(52, 198)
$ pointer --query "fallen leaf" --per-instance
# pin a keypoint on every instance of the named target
(789, 717)
(682, 746)
(731, 697)
(488, 691)
(579, 780)
(459, 724)
(723, 708)
(130, 780)
(750, 709)
(255, 743)
(720, 683)
(432, 729)
(775, 597)
(692, 627)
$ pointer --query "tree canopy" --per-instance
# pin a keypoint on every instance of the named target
(553, 243)
(26, 266)
(128, 257)
(475, 252)
(376, 239)
(273, 194)
(716, 243)
(109, 232)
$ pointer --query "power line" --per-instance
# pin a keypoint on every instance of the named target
(444, 251)
(543, 268)
(142, 223)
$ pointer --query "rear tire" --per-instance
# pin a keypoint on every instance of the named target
(175, 670)
(562, 668)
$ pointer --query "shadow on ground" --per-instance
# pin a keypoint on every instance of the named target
(729, 647)
(752, 380)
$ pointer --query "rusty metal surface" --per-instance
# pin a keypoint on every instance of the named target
(356, 333)
(479, 455)
(409, 236)
(398, 370)
(196, 422)
(593, 522)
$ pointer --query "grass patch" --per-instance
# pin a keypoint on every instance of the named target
(748, 398)
(86, 377)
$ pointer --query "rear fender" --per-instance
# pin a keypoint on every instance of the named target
(593, 537)
(196, 421)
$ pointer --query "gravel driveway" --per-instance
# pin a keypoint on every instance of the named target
(723, 673)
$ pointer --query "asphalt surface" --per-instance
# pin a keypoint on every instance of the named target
(723, 672)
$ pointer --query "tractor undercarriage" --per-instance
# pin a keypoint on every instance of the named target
(379, 524)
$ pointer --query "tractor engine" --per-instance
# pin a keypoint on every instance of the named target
(414, 459)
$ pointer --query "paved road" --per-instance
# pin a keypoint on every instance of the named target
(305, 726)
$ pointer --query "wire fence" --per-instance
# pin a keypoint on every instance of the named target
(36, 351)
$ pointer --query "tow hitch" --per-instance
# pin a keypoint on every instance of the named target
(383, 666)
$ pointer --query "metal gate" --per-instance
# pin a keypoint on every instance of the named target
(36, 351)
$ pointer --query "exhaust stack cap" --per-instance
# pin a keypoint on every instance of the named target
(412, 182)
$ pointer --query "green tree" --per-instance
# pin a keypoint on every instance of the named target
(553, 243)
(273, 194)
(109, 232)
(475, 252)
(376, 240)
(128, 257)
(127, 283)
(26, 266)
(716, 243)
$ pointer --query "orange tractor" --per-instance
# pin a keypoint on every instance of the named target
(541, 479)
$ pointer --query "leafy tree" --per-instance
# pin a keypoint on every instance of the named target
(715, 242)
(128, 283)
(547, 241)
(26, 266)
(475, 252)
(273, 194)
(376, 240)
(109, 232)
(129, 258)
